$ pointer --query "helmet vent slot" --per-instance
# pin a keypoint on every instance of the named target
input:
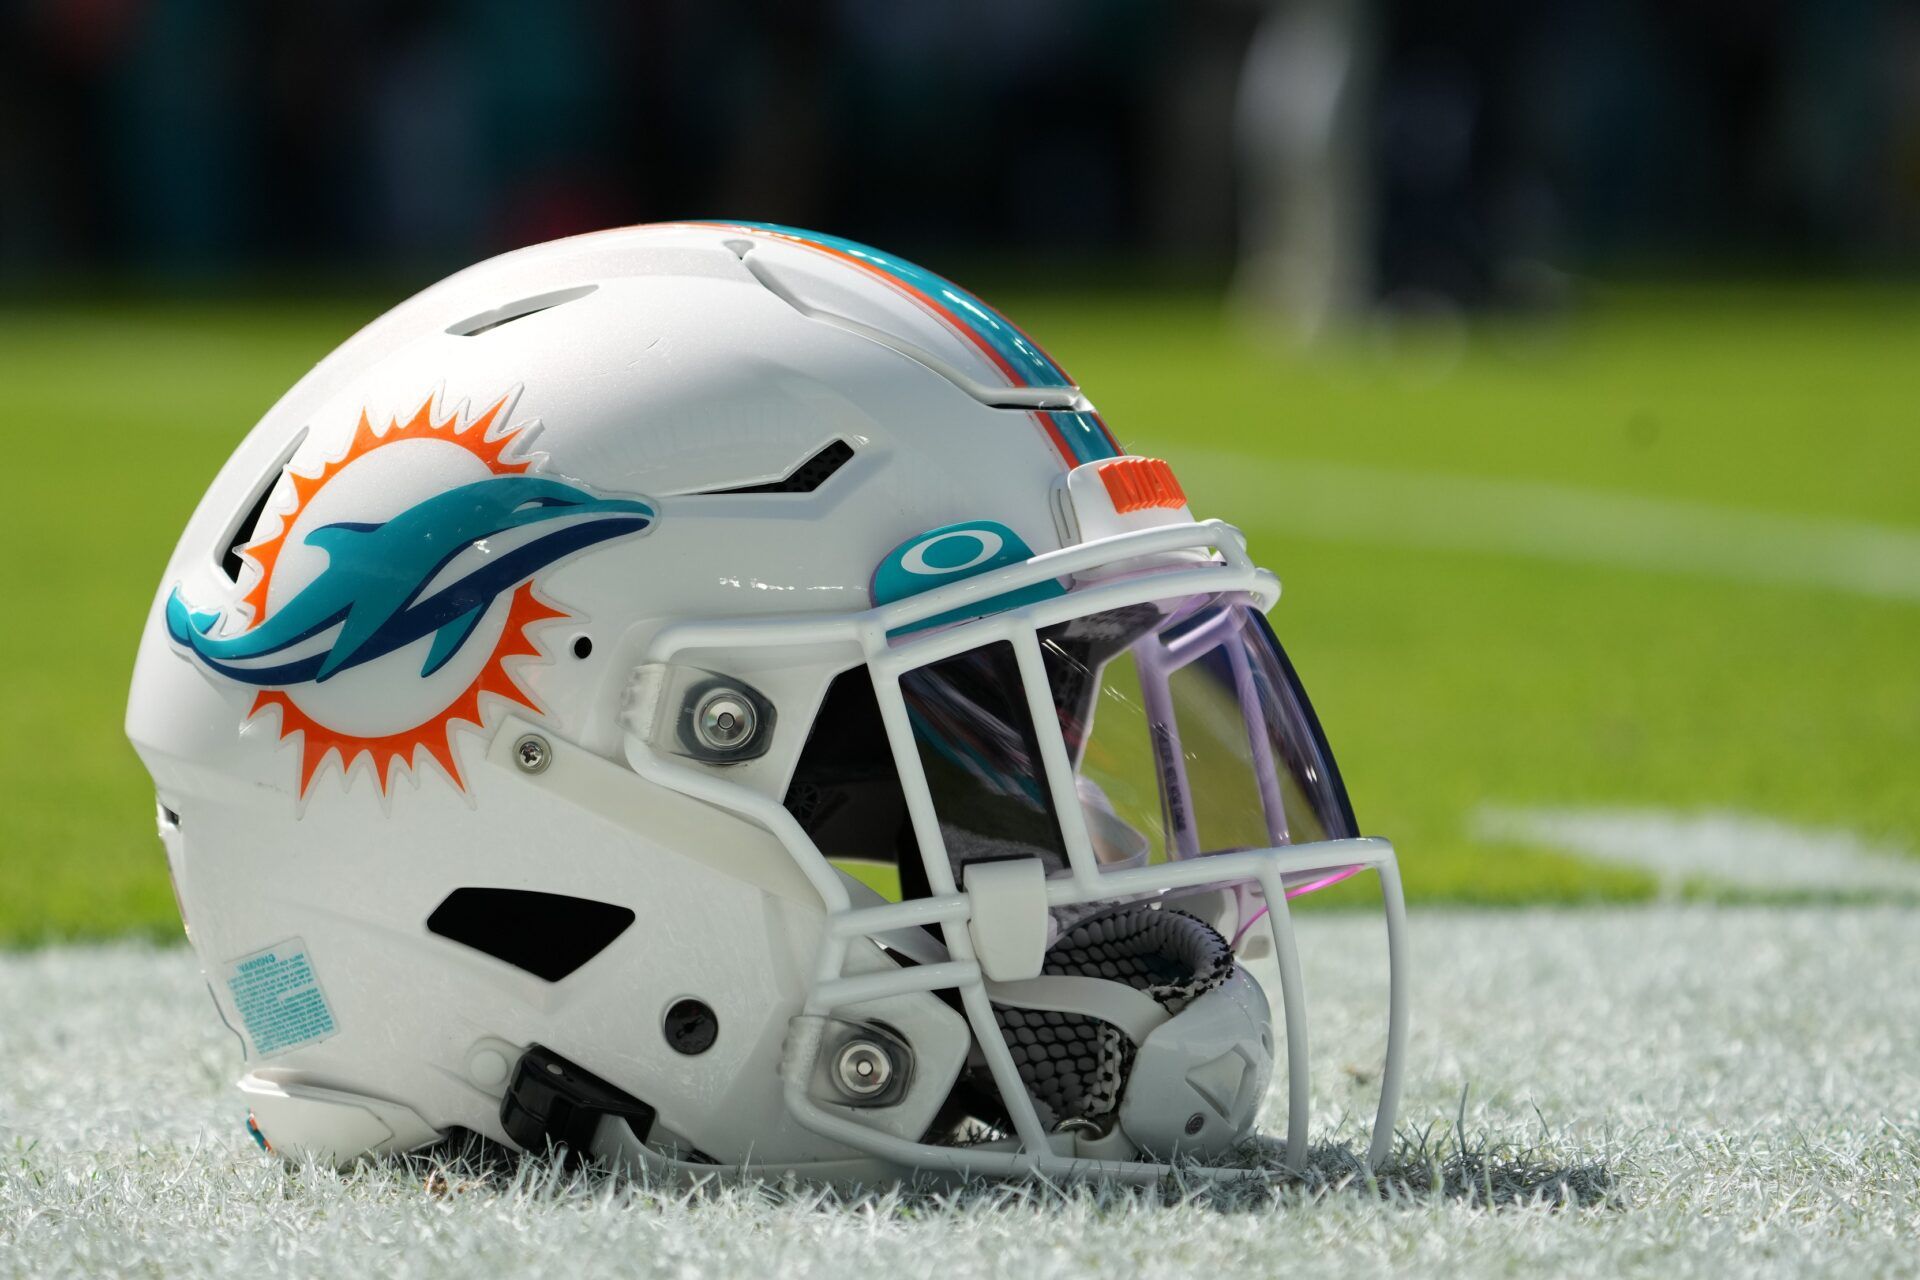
(806, 477)
(243, 532)
(547, 934)
(474, 326)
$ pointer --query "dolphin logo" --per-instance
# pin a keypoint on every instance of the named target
(374, 588)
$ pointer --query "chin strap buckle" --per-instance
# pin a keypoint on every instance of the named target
(553, 1102)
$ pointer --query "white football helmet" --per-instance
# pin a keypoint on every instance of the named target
(714, 696)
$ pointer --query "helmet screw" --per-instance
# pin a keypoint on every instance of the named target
(691, 1026)
(1195, 1123)
(724, 720)
(863, 1069)
(532, 753)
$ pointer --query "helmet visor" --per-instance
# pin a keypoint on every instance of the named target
(1188, 732)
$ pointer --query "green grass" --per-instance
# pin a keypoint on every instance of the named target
(1449, 679)
(1446, 678)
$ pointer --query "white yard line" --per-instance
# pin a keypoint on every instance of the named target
(1553, 522)
(1736, 849)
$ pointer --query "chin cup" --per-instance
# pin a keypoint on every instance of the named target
(1198, 1078)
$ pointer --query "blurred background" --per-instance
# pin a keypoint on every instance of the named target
(1466, 152)
(1559, 355)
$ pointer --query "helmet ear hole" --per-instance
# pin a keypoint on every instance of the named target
(583, 647)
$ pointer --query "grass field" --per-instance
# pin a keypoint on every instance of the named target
(1644, 1091)
(1665, 557)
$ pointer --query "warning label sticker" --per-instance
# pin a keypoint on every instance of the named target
(279, 998)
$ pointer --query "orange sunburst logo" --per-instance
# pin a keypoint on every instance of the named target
(390, 751)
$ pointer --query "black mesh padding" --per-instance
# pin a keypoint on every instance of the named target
(1170, 955)
(1075, 1066)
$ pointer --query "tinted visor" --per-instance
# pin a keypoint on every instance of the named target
(1188, 732)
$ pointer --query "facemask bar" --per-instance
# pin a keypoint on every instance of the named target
(898, 925)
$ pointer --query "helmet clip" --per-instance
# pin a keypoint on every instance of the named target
(553, 1102)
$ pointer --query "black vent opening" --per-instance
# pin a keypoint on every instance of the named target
(249, 524)
(806, 477)
(547, 934)
(243, 532)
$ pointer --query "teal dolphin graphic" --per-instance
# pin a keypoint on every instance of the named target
(375, 583)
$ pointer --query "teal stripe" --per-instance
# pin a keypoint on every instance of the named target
(1084, 433)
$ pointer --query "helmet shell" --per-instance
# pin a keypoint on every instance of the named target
(668, 366)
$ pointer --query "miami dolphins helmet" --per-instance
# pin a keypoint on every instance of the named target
(716, 697)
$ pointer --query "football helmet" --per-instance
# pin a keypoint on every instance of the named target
(712, 696)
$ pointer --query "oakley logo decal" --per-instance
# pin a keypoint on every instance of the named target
(954, 553)
(949, 552)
